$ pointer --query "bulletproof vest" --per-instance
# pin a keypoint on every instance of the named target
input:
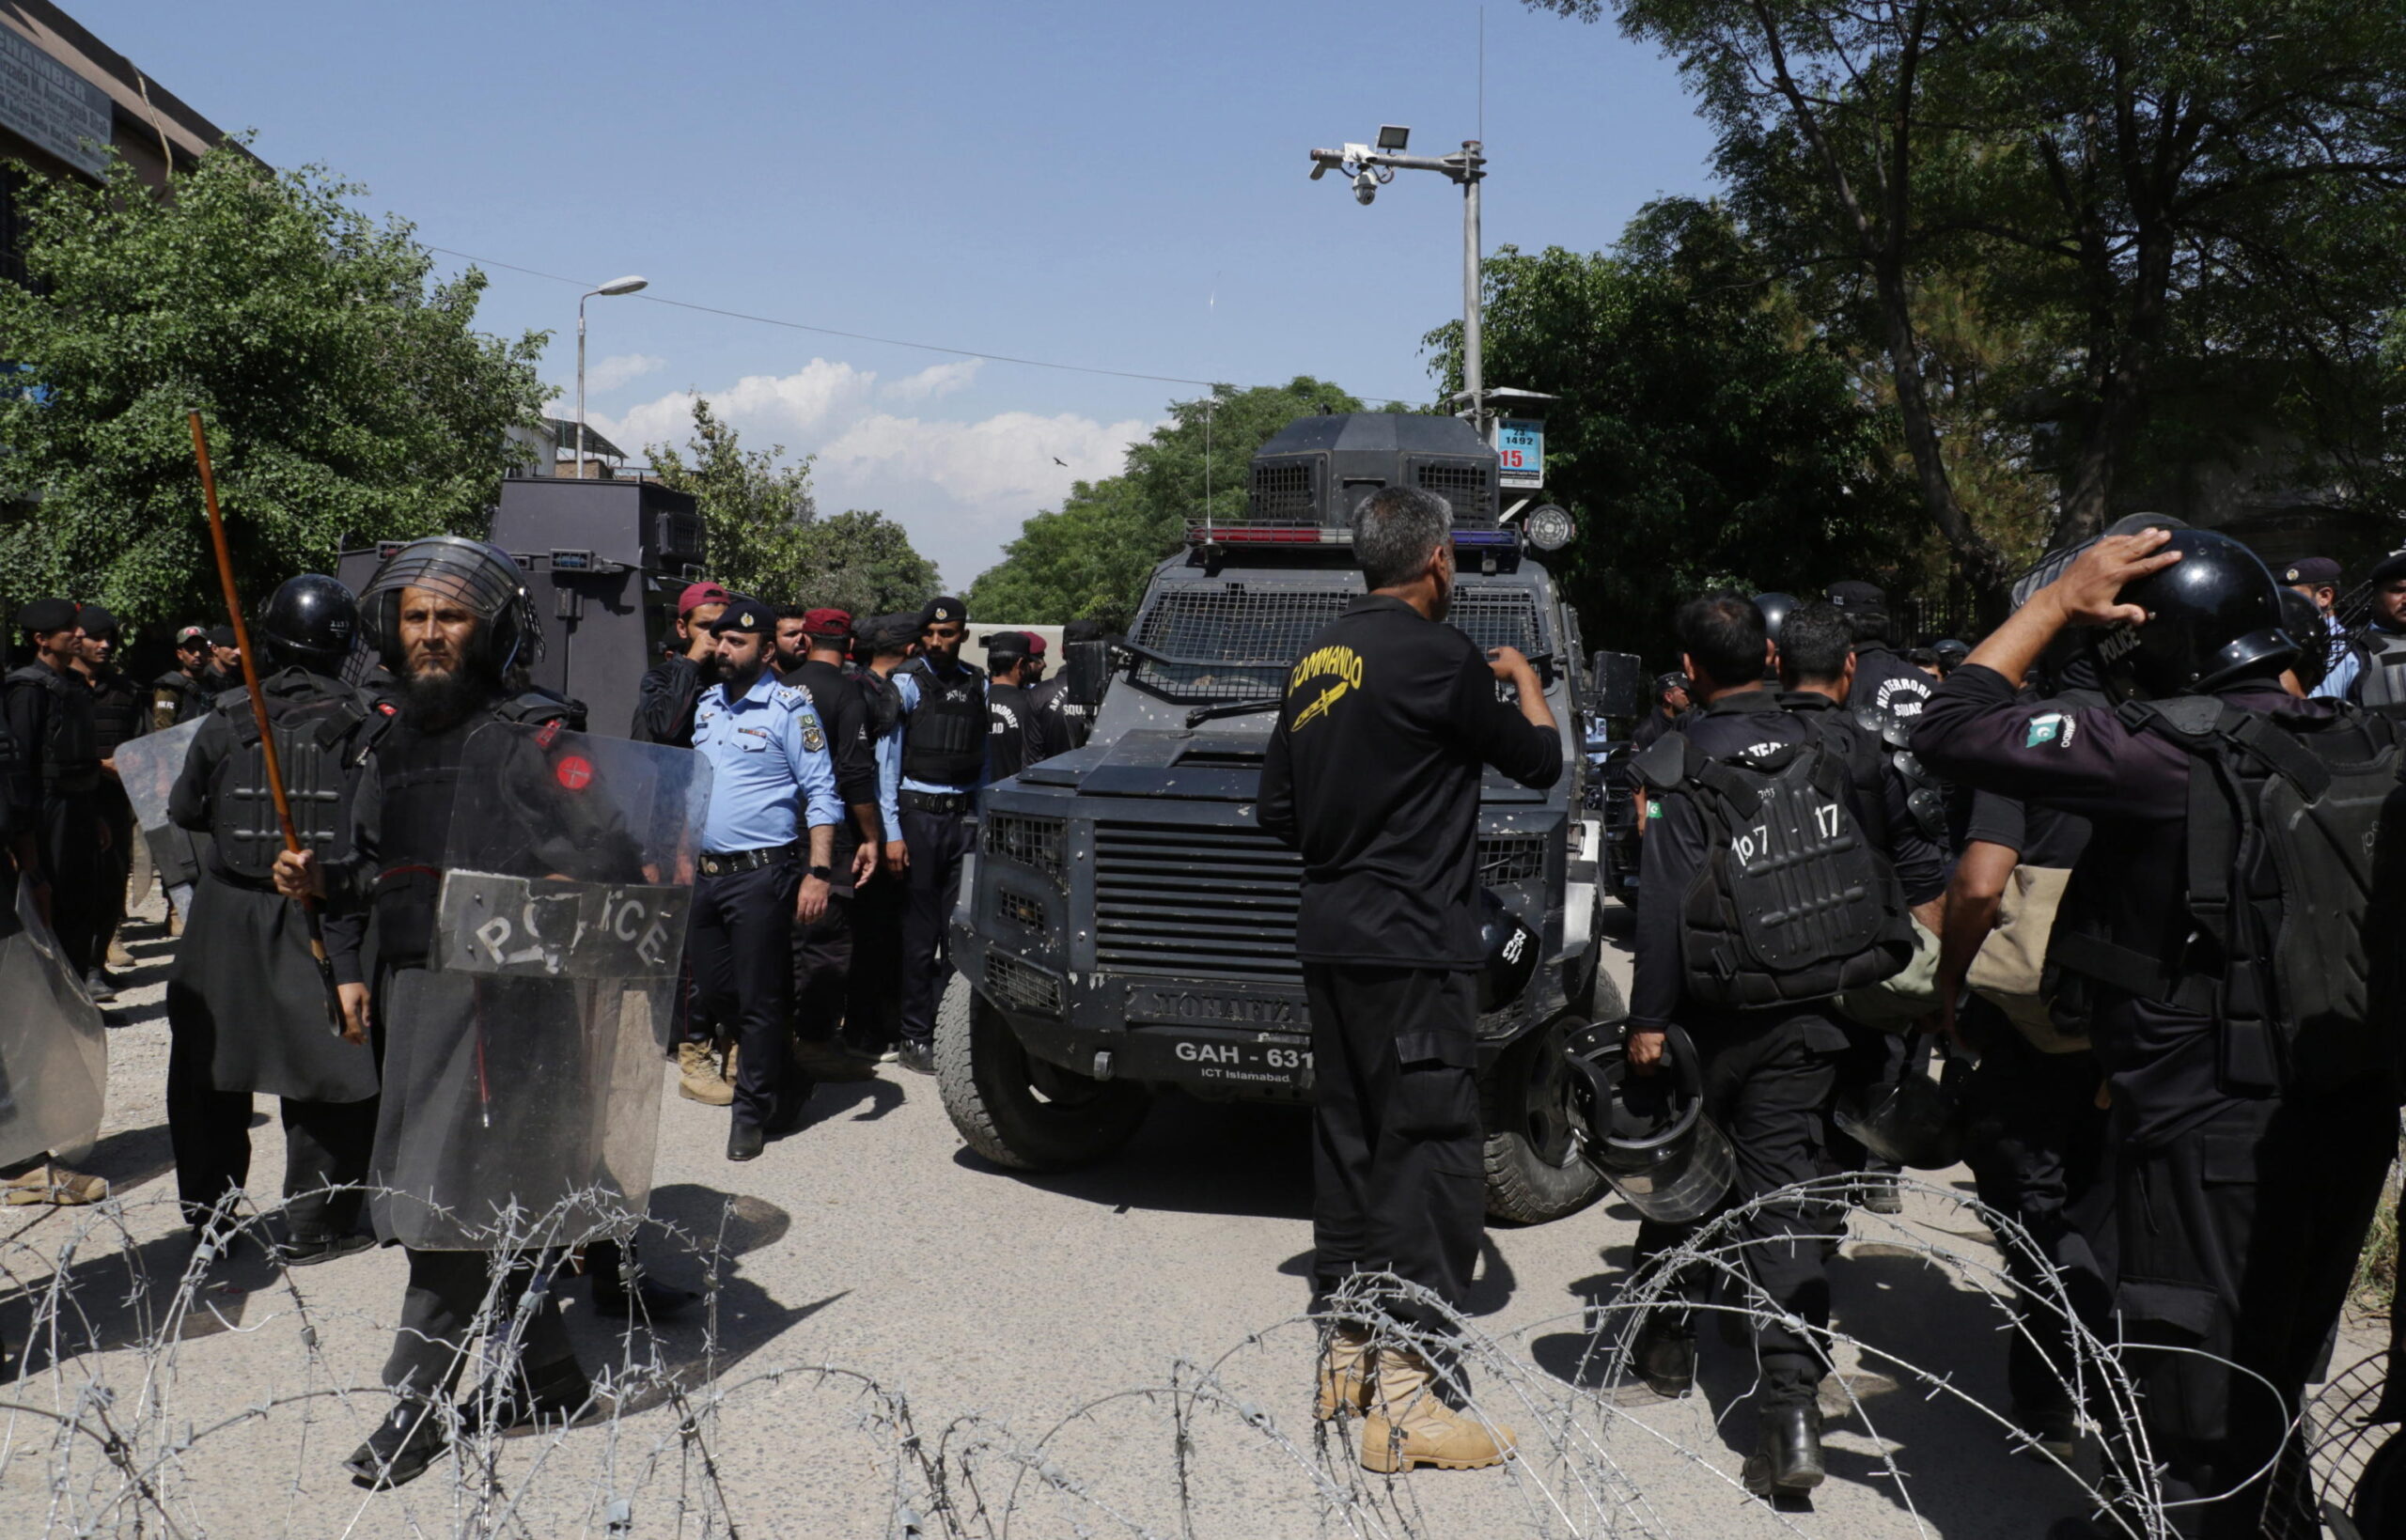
(419, 771)
(1792, 903)
(119, 706)
(944, 743)
(1924, 793)
(2380, 672)
(187, 698)
(324, 731)
(1007, 711)
(884, 704)
(2296, 889)
(70, 745)
(1865, 760)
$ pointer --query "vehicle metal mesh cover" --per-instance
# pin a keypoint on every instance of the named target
(1282, 496)
(53, 1048)
(1236, 642)
(530, 1052)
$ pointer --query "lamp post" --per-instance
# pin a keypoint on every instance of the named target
(1373, 168)
(616, 286)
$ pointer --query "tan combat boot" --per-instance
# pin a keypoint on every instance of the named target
(697, 1076)
(53, 1183)
(1344, 1373)
(1408, 1425)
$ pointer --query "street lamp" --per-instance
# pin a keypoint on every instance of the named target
(616, 286)
(1372, 169)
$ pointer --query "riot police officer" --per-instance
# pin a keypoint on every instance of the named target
(1885, 681)
(1372, 772)
(246, 1012)
(63, 840)
(1670, 703)
(873, 1007)
(767, 866)
(2373, 671)
(1011, 719)
(2254, 1106)
(929, 793)
(183, 694)
(1062, 724)
(225, 671)
(823, 950)
(121, 710)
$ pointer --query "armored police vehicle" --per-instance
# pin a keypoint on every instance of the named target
(1125, 927)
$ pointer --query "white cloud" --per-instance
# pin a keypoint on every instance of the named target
(618, 369)
(935, 381)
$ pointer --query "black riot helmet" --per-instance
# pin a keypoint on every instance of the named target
(1951, 653)
(474, 574)
(1512, 949)
(2069, 652)
(310, 622)
(1776, 608)
(2214, 615)
(2303, 619)
(1648, 1134)
(1918, 1121)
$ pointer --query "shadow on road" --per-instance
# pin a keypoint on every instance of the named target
(1195, 1156)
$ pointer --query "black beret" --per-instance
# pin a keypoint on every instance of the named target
(47, 614)
(943, 607)
(95, 620)
(1081, 630)
(221, 636)
(887, 632)
(2390, 568)
(748, 614)
(1851, 595)
(2311, 569)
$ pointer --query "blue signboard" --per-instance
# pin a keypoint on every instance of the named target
(1519, 451)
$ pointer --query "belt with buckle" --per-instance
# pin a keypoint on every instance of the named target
(939, 801)
(727, 863)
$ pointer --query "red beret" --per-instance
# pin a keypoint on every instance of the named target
(698, 594)
(835, 623)
(1034, 643)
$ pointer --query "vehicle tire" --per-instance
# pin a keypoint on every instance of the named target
(1535, 1172)
(1019, 1110)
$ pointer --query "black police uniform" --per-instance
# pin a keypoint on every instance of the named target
(1769, 1074)
(664, 702)
(823, 950)
(2239, 1209)
(245, 1007)
(1009, 721)
(1373, 773)
(1055, 724)
(873, 991)
(52, 717)
(944, 742)
(120, 712)
(1887, 683)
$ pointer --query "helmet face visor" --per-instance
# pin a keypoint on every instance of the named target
(468, 572)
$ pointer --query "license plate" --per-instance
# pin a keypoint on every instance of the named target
(1223, 1059)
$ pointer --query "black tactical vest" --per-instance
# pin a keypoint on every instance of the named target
(324, 732)
(2380, 669)
(70, 745)
(944, 744)
(119, 706)
(884, 703)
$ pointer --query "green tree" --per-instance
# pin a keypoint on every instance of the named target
(348, 398)
(767, 538)
(1091, 558)
(1703, 437)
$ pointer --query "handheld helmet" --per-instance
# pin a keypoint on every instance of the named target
(2302, 618)
(1648, 1134)
(1918, 1121)
(2213, 616)
(1511, 951)
(311, 622)
(474, 574)
(2071, 647)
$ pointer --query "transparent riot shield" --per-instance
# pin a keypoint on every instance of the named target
(528, 1056)
(53, 1048)
(147, 767)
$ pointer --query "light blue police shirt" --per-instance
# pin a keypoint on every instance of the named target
(769, 769)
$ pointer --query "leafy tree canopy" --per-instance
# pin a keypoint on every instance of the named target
(348, 398)
(767, 538)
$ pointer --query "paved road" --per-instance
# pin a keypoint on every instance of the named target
(1006, 1322)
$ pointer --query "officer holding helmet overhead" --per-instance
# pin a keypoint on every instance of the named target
(2254, 1090)
(1373, 773)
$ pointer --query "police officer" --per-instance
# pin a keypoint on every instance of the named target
(2247, 1162)
(665, 700)
(773, 799)
(1048, 722)
(822, 951)
(929, 793)
(2317, 579)
(2378, 654)
(1010, 718)
(64, 842)
(121, 710)
(1885, 681)
(183, 694)
(1064, 723)
(873, 1008)
(1373, 773)
(1670, 703)
(246, 1011)
(225, 669)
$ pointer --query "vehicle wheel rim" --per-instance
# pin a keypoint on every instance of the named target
(1548, 1109)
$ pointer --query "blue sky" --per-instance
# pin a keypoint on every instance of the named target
(1117, 185)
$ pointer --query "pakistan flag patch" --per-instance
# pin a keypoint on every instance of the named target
(2053, 729)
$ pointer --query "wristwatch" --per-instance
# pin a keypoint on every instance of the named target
(824, 874)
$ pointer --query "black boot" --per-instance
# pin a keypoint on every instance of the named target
(1787, 1460)
(608, 1266)
(410, 1438)
(1663, 1356)
(534, 1395)
(744, 1141)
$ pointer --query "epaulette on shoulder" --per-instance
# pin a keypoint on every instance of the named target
(793, 698)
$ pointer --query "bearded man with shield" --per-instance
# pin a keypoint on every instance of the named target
(527, 887)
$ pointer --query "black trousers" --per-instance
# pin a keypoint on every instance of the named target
(117, 817)
(873, 990)
(2038, 1157)
(1765, 1086)
(740, 946)
(939, 843)
(446, 1293)
(2239, 1238)
(1872, 1059)
(822, 967)
(79, 873)
(326, 1146)
(1398, 1184)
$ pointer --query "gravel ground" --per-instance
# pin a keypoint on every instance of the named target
(1052, 1315)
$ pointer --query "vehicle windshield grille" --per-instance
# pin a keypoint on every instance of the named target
(1240, 642)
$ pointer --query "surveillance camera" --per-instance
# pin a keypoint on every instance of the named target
(1365, 187)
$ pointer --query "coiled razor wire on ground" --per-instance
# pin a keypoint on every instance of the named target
(131, 1436)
